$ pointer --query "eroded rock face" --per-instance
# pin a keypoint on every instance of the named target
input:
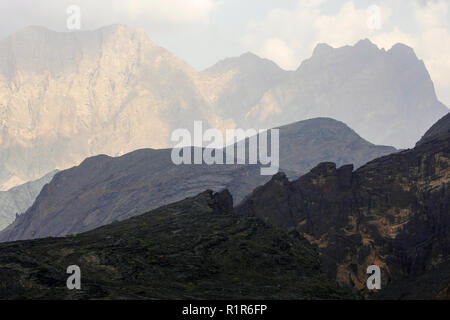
(393, 212)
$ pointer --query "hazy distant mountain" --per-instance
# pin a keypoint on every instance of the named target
(68, 96)
(306, 143)
(243, 80)
(103, 189)
(385, 96)
(18, 199)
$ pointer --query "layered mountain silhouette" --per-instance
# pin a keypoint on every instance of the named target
(18, 199)
(310, 238)
(103, 189)
(194, 249)
(385, 96)
(68, 96)
(393, 212)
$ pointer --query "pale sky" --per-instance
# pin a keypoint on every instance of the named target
(285, 31)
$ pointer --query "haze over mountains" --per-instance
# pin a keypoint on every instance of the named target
(18, 199)
(109, 99)
(104, 189)
(67, 96)
(311, 238)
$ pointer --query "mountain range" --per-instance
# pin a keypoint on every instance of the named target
(87, 178)
(387, 97)
(103, 189)
(68, 96)
(310, 238)
(393, 212)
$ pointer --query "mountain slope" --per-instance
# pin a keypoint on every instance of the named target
(241, 82)
(393, 212)
(68, 96)
(103, 189)
(305, 143)
(18, 199)
(194, 249)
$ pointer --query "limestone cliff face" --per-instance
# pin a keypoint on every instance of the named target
(68, 96)
(393, 212)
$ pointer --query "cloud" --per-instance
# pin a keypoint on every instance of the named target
(95, 14)
(167, 11)
(289, 27)
(430, 14)
(276, 49)
(350, 24)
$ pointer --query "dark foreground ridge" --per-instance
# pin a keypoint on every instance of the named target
(193, 249)
(393, 212)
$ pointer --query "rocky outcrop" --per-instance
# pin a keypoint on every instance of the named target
(393, 212)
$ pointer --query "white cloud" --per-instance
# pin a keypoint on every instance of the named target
(431, 14)
(95, 14)
(349, 25)
(167, 11)
(288, 27)
(276, 49)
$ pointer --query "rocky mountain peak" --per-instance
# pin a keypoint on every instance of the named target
(322, 49)
(366, 44)
(393, 212)
(401, 50)
(247, 61)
